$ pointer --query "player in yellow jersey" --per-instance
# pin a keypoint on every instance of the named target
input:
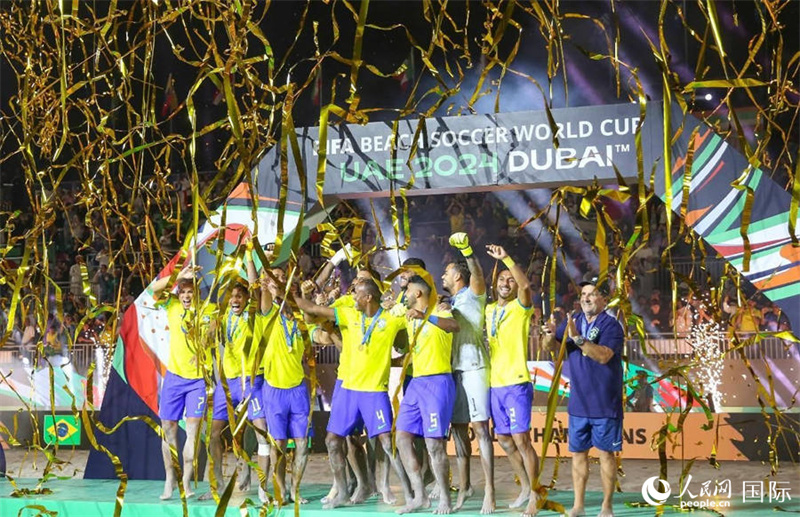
(405, 276)
(368, 334)
(183, 391)
(508, 323)
(427, 406)
(286, 393)
(238, 351)
(360, 467)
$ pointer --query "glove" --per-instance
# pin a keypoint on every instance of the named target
(340, 255)
(460, 241)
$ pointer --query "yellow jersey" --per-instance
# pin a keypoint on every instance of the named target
(346, 300)
(508, 328)
(186, 356)
(432, 347)
(283, 358)
(367, 347)
(237, 336)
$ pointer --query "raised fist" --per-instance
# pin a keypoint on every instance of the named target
(307, 288)
(460, 241)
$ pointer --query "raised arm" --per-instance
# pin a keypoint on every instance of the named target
(266, 295)
(310, 308)
(326, 271)
(476, 281)
(523, 284)
(187, 273)
(252, 275)
(460, 241)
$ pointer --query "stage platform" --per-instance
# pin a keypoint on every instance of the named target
(95, 498)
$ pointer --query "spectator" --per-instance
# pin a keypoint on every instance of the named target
(773, 319)
(100, 282)
(75, 276)
(684, 318)
(30, 338)
(658, 315)
(642, 398)
(745, 319)
(102, 257)
(455, 212)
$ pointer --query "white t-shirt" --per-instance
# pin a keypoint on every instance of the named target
(469, 349)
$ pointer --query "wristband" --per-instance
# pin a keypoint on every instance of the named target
(467, 252)
(434, 320)
(509, 262)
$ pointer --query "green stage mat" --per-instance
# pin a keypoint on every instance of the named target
(95, 498)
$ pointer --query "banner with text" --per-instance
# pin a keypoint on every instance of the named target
(478, 151)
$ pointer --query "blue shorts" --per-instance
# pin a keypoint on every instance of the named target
(179, 394)
(287, 411)
(255, 408)
(511, 408)
(427, 406)
(349, 408)
(603, 433)
(359, 428)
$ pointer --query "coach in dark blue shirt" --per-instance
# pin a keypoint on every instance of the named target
(594, 356)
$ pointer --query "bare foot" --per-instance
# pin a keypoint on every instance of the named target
(188, 492)
(463, 495)
(532, 508)
(414, 505)
(337, 501)
(360, 495)
(606, 512)
(168, 489)
(388, 496)
(488, 504)
(208, 496)
(523, 497)
(263, 496)
(331, 495)
(577, 511)
(289, 498)
(435, 492)
(444, 507)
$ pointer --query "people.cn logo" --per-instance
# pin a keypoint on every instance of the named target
(652, 494)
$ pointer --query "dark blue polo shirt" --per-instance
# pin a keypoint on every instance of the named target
(595, 389)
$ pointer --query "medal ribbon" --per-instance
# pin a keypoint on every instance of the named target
(289, 336)
(232, 331)
(367, 332)
(495, 320)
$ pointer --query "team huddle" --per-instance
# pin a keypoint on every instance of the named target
(465, 364)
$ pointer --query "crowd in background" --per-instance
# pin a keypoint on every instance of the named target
(109, 249)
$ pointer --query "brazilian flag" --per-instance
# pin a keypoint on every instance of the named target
(64, 430)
